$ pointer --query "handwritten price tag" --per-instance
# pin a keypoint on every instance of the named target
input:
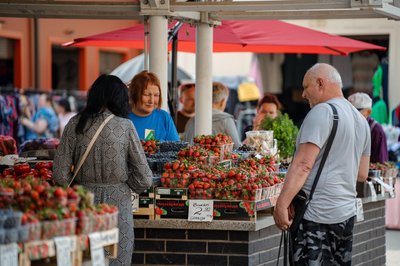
(9, 255)
(63, 249)
(201, 210)
(359, 210)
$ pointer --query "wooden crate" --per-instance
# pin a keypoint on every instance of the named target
(148, 193)
(242, 210)
(171, 209)
(146, 209)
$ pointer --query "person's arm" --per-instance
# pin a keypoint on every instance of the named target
(38, 127)
(296, 176)
(140, 176)
(63, 159)
(231, 130)
(383, 150)
(363, 169)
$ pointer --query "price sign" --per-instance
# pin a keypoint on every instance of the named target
(9, 255)
(135, 201)
(96, 250)
(225, 163)
(63, 250)
(201, 210)
(359, 210)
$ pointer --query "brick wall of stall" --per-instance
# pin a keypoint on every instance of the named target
(202, 247)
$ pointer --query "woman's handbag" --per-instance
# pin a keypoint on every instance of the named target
(301, 200)
(82, 160)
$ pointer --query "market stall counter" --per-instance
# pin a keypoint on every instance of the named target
(233, 242)
(236, 194)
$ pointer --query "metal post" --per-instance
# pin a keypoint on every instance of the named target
(203, 107)
(146, 43)
(36, 64)
(174, 82)
(159, 54)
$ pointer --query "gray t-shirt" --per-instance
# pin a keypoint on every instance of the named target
(334, 197)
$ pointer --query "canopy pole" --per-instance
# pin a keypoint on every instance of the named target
(146, 43)
(204, 53)
(159, 54)
(173, 90)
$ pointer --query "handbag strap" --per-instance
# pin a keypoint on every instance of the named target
(96, 135)
(286, 240)
(326, 152)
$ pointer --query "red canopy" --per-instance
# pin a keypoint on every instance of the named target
(259, 36)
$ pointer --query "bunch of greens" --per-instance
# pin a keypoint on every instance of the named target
(285, 132)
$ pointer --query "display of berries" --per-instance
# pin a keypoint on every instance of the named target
(172, 146)
(213, 140)
(150, 146)
(246, 148)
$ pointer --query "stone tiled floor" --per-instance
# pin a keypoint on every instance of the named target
(392, 247)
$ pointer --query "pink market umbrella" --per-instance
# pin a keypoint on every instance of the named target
(258, 36)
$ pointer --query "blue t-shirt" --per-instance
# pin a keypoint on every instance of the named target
(159, 121)
(48, 114)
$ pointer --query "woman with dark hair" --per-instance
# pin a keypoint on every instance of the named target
(115, 164)
(150, 120)
(268, 106)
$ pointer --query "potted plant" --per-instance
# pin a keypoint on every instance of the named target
(285, 132)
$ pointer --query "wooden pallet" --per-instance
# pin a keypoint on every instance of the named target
(45, 249)
(80, 247)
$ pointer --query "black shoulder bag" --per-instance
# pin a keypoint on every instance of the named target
(301, 201)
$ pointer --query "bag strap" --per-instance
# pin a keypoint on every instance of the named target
(96, 135)
(286, 240)
(328, 147)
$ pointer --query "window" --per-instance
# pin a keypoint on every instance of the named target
(6, 62)
(65, 68)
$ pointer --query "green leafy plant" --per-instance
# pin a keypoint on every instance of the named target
(285, 132)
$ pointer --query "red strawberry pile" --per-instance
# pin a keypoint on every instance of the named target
(177, 174)
(150, 146)
(204, 182)
(28, 190)
(199, 155)
(388, 169)
(221, 144)
(247, 181)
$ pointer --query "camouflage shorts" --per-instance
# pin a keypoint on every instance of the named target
(323, 244)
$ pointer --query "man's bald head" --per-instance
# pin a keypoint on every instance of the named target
(321, 83)
(327, 73)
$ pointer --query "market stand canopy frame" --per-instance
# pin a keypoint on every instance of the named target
(258, 36)
(221, 10)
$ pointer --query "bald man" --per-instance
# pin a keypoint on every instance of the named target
(325, 233)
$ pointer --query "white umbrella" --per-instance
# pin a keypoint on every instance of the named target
(130, 68)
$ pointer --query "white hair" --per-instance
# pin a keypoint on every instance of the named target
(330, 73)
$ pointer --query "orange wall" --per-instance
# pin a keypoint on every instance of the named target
(20, 30)
(58, 31)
